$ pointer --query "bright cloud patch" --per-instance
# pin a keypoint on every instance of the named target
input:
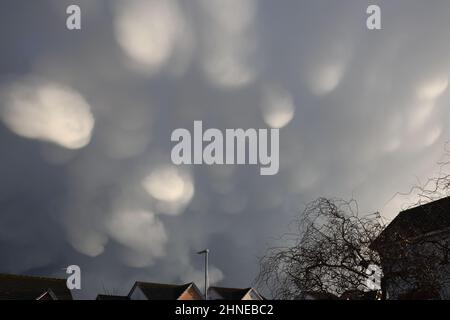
(149, 31)
(198, 276)
(141, 232)
(49, 112)
(433, 88)
(171, 187)
(326, 78)
(229, 42)
(277, 107)
(86, 240)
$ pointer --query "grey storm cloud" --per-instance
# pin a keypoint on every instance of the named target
(86, 118)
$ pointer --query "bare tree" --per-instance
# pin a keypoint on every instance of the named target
(329, 252)
(433, 188)
(332, 246)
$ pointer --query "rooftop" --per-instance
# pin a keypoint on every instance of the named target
(161, 291)
(417, 221)
(21, 287)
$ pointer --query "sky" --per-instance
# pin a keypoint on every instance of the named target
(86, 118)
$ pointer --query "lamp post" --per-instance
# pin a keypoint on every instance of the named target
(206, 252)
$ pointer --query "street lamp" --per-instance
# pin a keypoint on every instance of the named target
(206, 252)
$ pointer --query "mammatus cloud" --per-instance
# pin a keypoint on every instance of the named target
(48, 111)
(170, 187)
(198, 276)
(360, 113)
(324, 78)
(433, 89)
(86, 240)
(153, 33)
(141, 232)
(229, 42)
(277, 107)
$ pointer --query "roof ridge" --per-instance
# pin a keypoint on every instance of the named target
(433, 202)
(164, 284)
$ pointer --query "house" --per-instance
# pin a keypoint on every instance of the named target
(347, 295)
(360, 295)
(160, 291)
(315, 295)
(221, 293)
(188, 291)
(47, 295)
(19, 287)
(109, 297)
(414, 250)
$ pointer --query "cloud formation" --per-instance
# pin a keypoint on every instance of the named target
(87, 118)
(48, 111)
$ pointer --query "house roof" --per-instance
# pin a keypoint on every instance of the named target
(111, 297)
(161, 291)
(416, 222)
(231, 293)
(19, 287)
(359, 295)
(317, 295)
(47, 295)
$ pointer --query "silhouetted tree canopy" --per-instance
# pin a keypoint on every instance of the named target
(328, 252)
